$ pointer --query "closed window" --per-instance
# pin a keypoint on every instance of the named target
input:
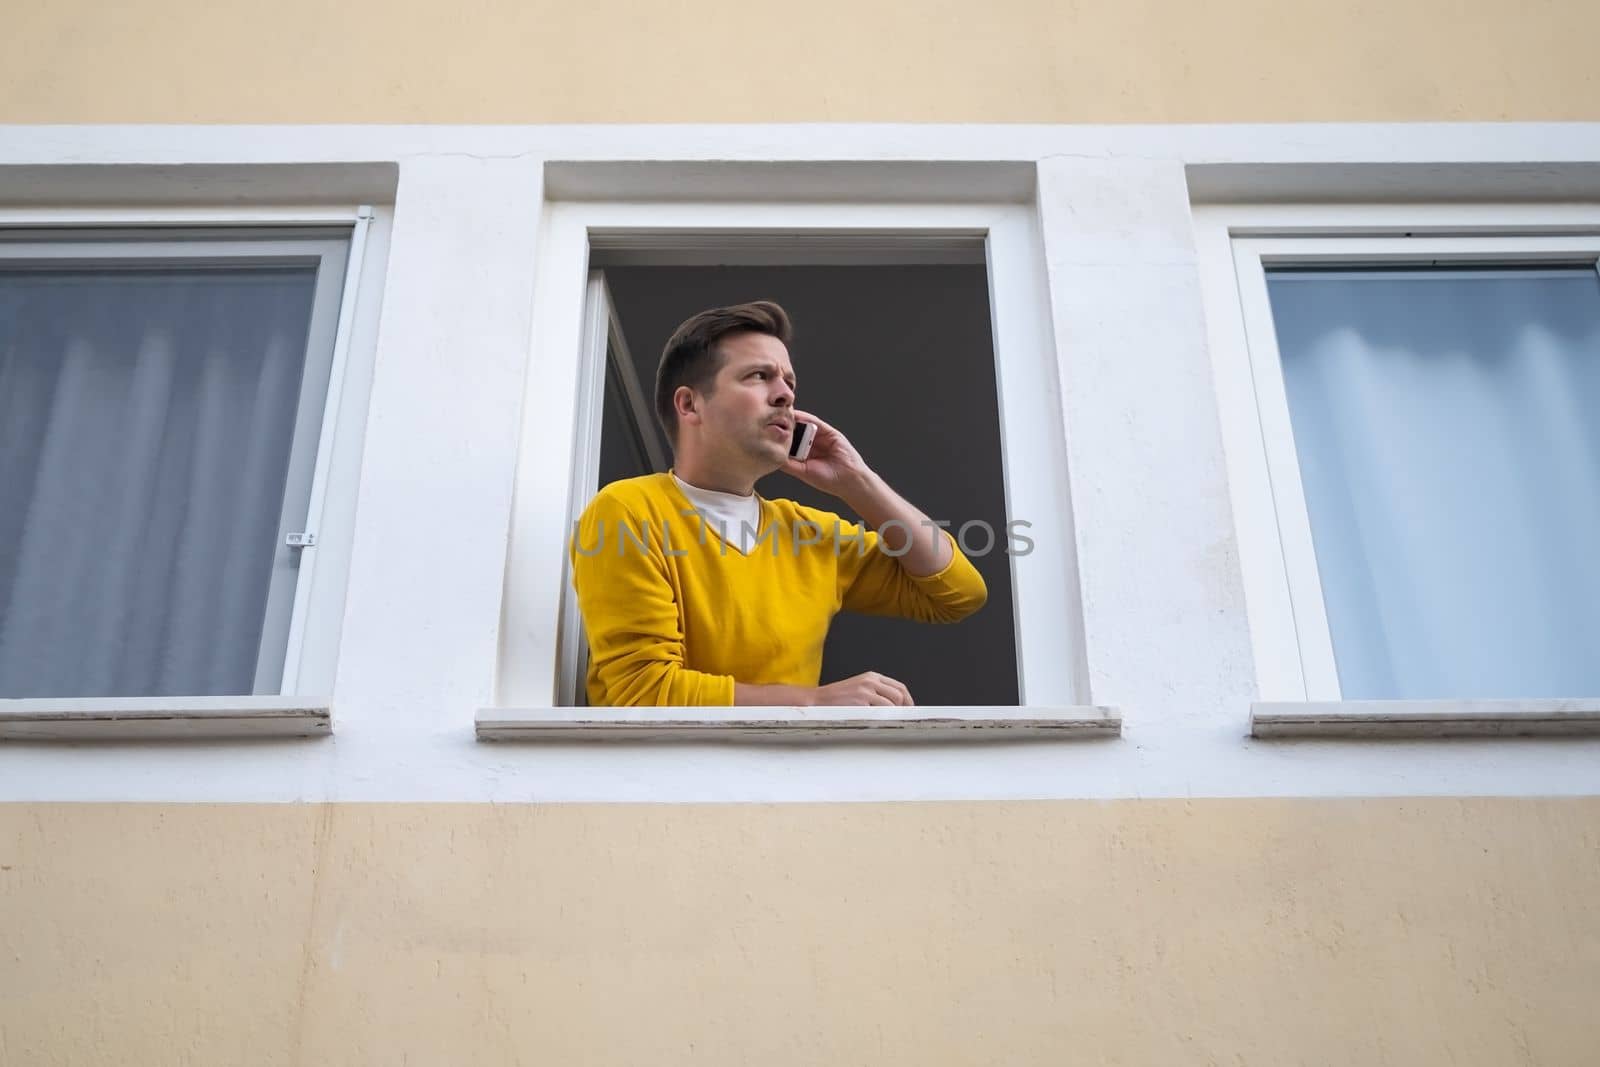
(161, 403)
(1429, 417)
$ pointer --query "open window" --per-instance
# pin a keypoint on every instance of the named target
(1415, 453)
(164, 445)
(921, 331)
(897, 352)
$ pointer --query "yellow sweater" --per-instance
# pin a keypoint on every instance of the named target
(674, 615)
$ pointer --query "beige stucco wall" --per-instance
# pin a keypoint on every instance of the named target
(831, 60)
(1426, 931)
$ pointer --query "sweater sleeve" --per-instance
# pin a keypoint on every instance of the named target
(872, 582)
(630, 613)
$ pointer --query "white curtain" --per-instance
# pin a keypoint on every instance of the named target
(146, 418)
(1448, 429)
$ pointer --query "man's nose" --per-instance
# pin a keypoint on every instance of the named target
(784, 397)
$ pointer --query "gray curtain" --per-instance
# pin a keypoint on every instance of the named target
(146, 419)
(1448, 429)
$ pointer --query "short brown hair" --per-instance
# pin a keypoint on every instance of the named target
(691, 357)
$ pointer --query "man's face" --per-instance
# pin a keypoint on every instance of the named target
(750, 413)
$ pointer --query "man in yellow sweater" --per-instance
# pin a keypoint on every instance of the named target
(695, 590)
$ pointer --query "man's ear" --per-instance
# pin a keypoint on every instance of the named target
(686, 404)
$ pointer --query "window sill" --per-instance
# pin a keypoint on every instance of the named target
(164, 718)
(1382, 719)
(797, 724)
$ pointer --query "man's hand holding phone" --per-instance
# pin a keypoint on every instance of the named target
(830, 464)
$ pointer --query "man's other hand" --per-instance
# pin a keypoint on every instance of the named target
(870, 689)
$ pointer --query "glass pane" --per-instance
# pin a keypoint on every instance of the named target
(1448, 429)
(146, 419)
(622, 448)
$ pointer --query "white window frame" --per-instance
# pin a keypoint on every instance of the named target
(1048, 616)
(1295, 669)
(302, 705)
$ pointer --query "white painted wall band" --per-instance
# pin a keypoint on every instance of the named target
(1163, 607)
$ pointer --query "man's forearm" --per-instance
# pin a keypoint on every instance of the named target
(929, 551)
(772, 696)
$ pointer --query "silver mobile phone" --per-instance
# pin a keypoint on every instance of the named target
(800, 443)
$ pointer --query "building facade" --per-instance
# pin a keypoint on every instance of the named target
(1266, 768)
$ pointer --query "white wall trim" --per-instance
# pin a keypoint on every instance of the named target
(1534, 147)
(1380, 719)
(841, 725)
(164, 718)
